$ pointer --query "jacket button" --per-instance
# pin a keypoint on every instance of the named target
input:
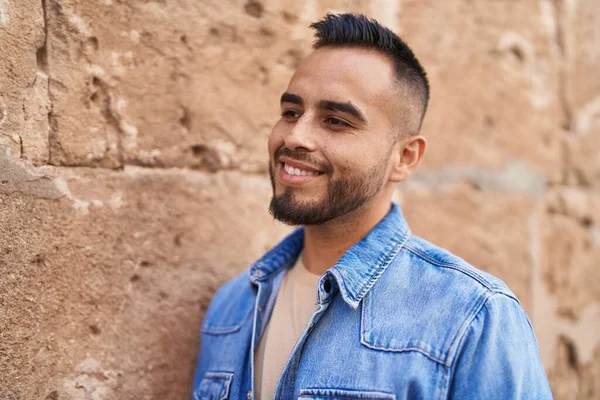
(260, 309)
(249, 395)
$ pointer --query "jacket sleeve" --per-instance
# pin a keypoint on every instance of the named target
(499, 356)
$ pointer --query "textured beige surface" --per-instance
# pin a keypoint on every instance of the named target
(133, 176)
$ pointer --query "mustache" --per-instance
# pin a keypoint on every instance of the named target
(302, 157)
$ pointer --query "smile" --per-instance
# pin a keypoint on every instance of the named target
(298, 172)
(292, 175)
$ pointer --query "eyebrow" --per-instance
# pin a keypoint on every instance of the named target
(292, 98)
(347, 107)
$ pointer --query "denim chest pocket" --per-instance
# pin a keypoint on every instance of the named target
(228, 314)
(214, 386)
(343, 394)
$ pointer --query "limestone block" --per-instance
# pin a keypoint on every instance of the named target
(583, 158)
(164, 84)
(580, 45)
(110, 278)
(570, 255)
(23, 84)
(571, 378)
(581, 48)
(581, 204)
(563, 378)
(36, 130)
(494, 81)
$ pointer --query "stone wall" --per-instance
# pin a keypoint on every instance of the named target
(133, 173)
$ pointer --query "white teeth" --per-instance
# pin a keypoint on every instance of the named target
(298, 172)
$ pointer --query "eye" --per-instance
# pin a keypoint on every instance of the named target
(290, 113)
(337, 122)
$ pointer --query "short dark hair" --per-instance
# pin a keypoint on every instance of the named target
(356, 30)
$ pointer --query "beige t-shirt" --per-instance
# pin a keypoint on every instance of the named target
(294, 306)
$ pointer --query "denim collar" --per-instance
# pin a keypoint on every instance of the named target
(359, 267)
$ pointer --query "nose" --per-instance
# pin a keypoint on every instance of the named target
(301, 137)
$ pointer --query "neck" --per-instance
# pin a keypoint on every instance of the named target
(325, 244)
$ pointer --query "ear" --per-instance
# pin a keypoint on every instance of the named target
(408, 155)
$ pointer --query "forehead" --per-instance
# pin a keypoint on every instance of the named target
(363, 77)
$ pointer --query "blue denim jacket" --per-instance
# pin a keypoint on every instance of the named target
(397, 318)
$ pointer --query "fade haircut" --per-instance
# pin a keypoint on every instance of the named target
(358, 31)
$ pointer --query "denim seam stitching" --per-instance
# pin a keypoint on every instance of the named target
(397, 243)
(395, 350)
(311, 390)
(461, 337)
(217, 375)
(278, 255)
(406, 349)
(449, 355)
(228, 330)
(439, 388)
(478, 304)
(221, 331)
(489, 285)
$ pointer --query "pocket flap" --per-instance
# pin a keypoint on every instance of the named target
(214, 386)
(342, 394)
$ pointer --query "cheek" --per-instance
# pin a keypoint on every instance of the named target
(275, 141)
(351, 161)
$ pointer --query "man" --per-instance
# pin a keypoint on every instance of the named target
(351, 305)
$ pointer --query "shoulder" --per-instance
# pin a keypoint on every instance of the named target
(230, 305)
(426, 301)
(452, 267)
(499, 353)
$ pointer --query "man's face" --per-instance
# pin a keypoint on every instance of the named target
(337, 117)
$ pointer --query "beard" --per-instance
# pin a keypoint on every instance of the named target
(343, 195)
